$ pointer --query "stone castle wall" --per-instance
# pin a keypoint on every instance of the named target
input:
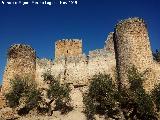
(132, 47)
(77, 70)
(68, 48)
(109, 44)
(21, 62)
(128, 45)
(74, 67)
(78, 73)
(42, 66)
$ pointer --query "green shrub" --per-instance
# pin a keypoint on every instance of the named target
(134, 101)
(60, 93)
(135, 78)
(100, 97)
(90, 108)
(156, 96)
(23, 88)
(34, 98)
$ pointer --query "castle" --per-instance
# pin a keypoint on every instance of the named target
(128, 45)
(70, 64)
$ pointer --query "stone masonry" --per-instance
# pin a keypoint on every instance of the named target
(21, 62)
(78, 68)
(132, 47)
(128, 45)
(68, 48)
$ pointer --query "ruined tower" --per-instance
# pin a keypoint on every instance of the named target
(132, 47)
(109, 44)
(21, 61)
(68, 48)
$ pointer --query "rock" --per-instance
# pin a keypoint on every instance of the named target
(7, 114)
(74, 115)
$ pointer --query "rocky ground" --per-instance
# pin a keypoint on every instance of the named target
(73, 115)
(76, 114)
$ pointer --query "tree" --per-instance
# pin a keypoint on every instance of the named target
(23, 90)
(58, 93)
(134, 101)
(156, 96)
(100, 97)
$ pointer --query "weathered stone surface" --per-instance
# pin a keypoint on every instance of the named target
(133, 48)
(109, 44)
(7, 114)
(68, 48)
(76, 68)
(128, 45)
(21, 61)
(2, 101)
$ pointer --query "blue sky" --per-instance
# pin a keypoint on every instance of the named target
(90, 20)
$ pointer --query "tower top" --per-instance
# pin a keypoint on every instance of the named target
(68, 48)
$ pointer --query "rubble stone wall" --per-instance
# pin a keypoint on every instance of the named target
(133, 48)
(74, 67)
(128, 45)
(68, 48)
(42, 66)
(109, 44)
(21, 62)
(77, 73)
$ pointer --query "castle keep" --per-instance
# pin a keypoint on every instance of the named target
(128, 45)
(68, 48)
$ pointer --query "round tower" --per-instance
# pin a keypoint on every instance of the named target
(21, 61)
(132, 47)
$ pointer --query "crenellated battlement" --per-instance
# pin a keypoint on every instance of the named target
(68, 48)
(127, 45)
(68, 40)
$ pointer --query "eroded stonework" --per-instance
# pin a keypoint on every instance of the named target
(128, 45)
(132, 47)
(76, 70)
(68, 48)
(21, 62)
